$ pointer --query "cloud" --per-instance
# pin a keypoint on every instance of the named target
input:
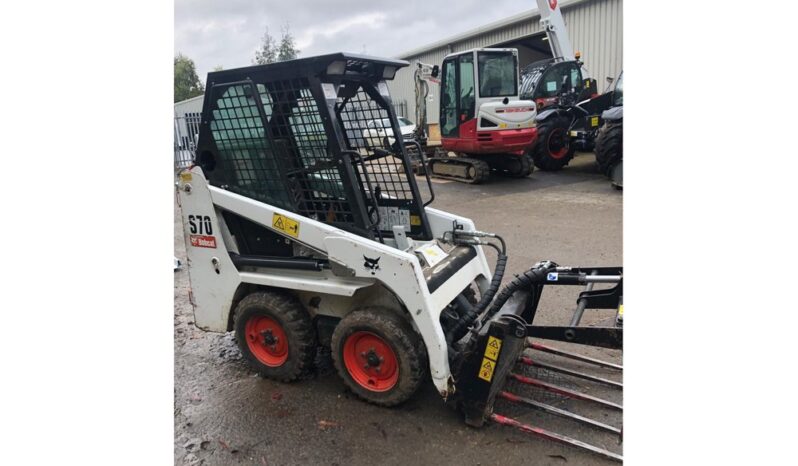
(227, 33)
(369, 21)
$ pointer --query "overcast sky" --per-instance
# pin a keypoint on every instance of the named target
(227, 32)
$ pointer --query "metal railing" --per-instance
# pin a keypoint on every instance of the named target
(401, 108)
(185, 142)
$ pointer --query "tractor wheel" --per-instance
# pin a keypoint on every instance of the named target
(275, 335)
(553, 149)
(379, 355)
(609, 147)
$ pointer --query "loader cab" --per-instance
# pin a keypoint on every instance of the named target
(295, 135)
(553, 82)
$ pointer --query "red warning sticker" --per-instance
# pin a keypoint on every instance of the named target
(202, 241)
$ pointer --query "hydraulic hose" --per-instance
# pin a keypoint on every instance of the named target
(472, 312)
(524, 281)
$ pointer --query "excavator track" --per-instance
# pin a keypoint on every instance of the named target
(510, 165)
(463, 169)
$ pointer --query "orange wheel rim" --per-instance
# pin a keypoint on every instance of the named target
(371, 362)
(267, 341)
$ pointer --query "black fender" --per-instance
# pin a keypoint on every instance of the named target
(550, 113)
(613, 114)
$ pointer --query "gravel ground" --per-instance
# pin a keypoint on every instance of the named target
(226, 414)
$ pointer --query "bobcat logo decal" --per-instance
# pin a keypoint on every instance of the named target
(372, 264)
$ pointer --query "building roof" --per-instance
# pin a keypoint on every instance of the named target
(199, 97)
(517, 18)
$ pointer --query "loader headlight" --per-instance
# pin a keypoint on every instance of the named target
(389, 72)
(336, 68)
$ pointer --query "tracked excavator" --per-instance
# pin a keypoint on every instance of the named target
(482, 120)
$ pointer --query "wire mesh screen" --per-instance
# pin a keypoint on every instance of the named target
(247, 163)
(270, 143)
(282, 157)
(367, 125)
(295, 123)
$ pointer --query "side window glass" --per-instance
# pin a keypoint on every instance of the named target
(448, 114)
(308, 129)
(467, 94)
(576, 78)
(235, 118)
(549, 83)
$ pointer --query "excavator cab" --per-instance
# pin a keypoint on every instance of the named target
(479, 94)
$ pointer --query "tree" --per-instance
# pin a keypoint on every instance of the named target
(288, 50)
(187, 83)
(218, 68)
(267, 52)
(270, 51)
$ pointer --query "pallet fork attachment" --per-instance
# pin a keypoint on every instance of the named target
(503, 346)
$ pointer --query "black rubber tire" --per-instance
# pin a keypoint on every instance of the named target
(295, 322)
(609, 146)
(406, 344)
(540, 151)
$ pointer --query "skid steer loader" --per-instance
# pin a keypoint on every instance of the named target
(300, 233)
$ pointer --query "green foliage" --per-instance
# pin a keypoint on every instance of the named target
(287, 50)
(270, 51)
(187, 83)
(267, 52)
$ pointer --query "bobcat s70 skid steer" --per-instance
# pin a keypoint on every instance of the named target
(301, 233)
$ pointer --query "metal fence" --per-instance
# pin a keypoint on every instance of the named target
(186, 132)
(401, 109)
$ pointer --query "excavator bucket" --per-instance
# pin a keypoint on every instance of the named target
(509, 376)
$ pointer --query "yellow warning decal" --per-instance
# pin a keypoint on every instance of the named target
(185, 177)
(486, 369)
(415, 220)
(286, 225)
(492, 348)
(620, 310)
(594, 121)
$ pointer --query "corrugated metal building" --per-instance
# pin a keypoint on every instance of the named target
(189, 106)
(594, 26)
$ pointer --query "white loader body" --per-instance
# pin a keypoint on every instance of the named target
(397, 282)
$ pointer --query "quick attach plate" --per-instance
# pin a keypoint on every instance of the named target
(484, 373)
